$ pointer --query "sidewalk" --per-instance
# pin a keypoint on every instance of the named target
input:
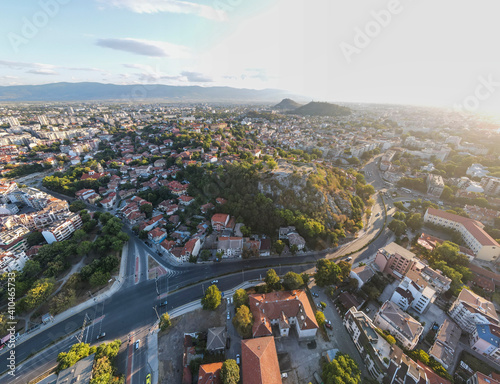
(117, 284)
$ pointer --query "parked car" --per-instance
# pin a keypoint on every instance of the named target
(238, 359)
(163, 303)
(349, 258)
(328, 325)
(101, 336)
(137, 343)
(215, 281)
(228, 315)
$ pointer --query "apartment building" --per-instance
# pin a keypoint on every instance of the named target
(481, 378)
(12, 261)
(470, 309)
(13, 239)
(395, 260)
(447, 339)
(413, 291)
(491, 185)
(62, 229)
(485, 340)
(404, 327)
(372, 347)
(472, 232)
(435, 185)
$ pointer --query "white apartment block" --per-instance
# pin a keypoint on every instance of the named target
(470, 309)
(62, 229)
(413, 291)
(12, 261)
(472, 232)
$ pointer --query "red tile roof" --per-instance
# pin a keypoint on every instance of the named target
(210, 374)
(260, 361)
(474, 227)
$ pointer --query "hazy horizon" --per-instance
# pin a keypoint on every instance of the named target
(384, 52)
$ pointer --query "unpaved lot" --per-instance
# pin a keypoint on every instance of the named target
(170, 343)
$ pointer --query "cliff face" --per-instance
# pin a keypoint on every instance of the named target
(313, 191)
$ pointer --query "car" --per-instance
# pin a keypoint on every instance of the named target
(377, 215)
(228, 315)
(148, 378)
(215, 281)
(238, 359)
(349, 258)
(228, 343)
(101, 336)
(315, 294)
(328, 325)
(163, 303)
(137, 343)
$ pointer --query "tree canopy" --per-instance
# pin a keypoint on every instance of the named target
(243, 321)
(230, 372)
(212, 298)
(328, 273)
(341, 370)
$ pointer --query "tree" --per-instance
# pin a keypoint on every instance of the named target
(292, 281)
(279, 246)
(147, 209)
(240, 298)
(230, 372)
(272, 280)
(99, 279)
(165, 321)
(345, 268)
(84, 247)
(320, 318)
(398, 227)
(35, 238)
(205, 255)
(79, 235)
(77, 206)
(342, 369)
(243, 321)
(212, 298)
(415, 221)
(102, 371)
(40, 291)
(294, 249)
(328, 272)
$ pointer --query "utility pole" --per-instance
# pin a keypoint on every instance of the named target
(156, 313)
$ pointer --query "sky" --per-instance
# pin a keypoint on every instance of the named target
(398, 51)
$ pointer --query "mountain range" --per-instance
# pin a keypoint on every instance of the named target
(313, 108)
(135, 93)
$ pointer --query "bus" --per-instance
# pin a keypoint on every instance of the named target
(406, 190)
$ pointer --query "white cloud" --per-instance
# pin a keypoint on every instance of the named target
(145, 47)
(170, 6)
(42, 71)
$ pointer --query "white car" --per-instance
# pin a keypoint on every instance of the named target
(215, 281)
(137, 343)
(228, 315)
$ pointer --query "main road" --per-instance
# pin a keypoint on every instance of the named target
(131, 311)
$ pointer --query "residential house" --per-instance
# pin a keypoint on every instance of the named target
(470, 309)
(297, 240)
(219, 221)
(186, 200)
(283, 309)
(109, 201)
(400, 324)
(259, 361)
(206, 207)
(157, 235)
(446, 343)
(362, 274)
(481, 378)
(472, 232)
(230, 246)
(216, 339)
(210, 373)
(435, 185)
(192, 247)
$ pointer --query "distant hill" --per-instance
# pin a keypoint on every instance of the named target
(321, 109)
(287, 104)
(132, 93)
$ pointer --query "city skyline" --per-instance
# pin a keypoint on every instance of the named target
(386, 51)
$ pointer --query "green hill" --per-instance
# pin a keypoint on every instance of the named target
(321, 109)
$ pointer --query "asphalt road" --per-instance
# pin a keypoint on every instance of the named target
(130, 310)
